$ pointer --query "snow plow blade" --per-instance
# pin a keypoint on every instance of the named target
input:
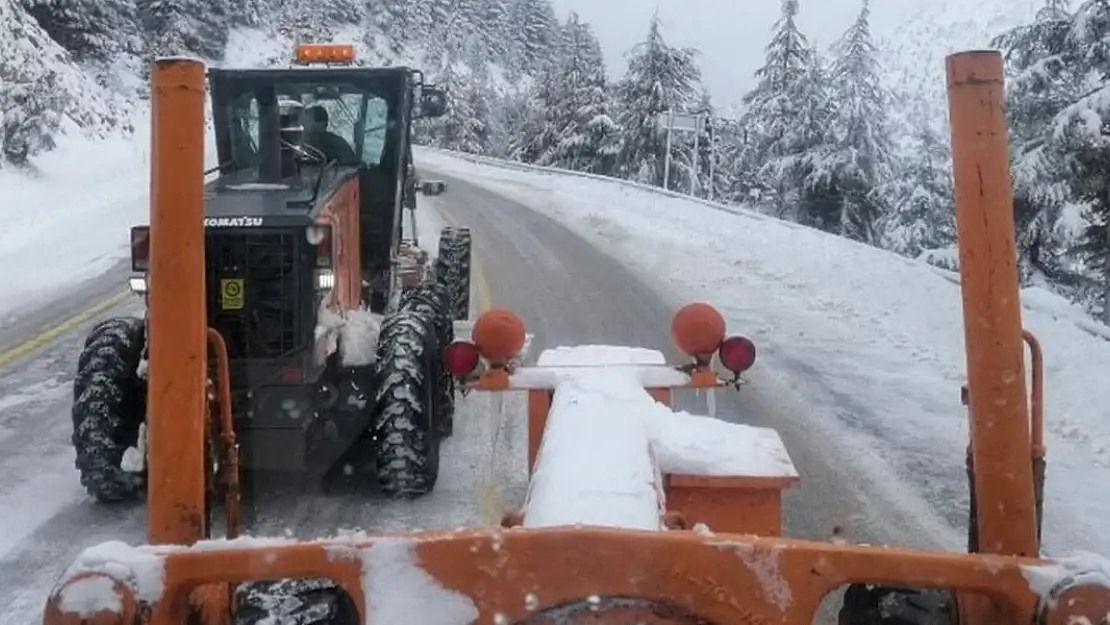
(635, 513)
(510, 576)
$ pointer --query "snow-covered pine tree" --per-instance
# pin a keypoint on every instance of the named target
(659, 78)
(733, 182)
(581, 133)
(855, 161)
(93, 31)
(454, 30)
(251, 13)
(303, 22)
(465, 127)
(1092, 188)
(496, 32)
(401, 22)
(192, 27)
(921, 216)
(786, 115)
(1083, 128)
(31, 105)
(536, 30)
(1042, 59)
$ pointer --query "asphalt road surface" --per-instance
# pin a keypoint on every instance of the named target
(567, 292)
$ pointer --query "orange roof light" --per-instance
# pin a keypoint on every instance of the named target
(311, 53)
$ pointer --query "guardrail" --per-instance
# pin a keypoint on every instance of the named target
(527, 167)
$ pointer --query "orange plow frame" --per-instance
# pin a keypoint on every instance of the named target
(508, 576)
(724, 579)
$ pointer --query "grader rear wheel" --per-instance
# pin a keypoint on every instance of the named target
(453, 267)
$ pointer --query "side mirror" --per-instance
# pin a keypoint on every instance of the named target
(433, 102)
(433, 187)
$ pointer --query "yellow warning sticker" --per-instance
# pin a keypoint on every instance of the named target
(231, 293)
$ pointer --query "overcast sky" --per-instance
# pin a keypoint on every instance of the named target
(730, 34)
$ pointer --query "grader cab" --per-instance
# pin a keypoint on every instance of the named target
(635, 513)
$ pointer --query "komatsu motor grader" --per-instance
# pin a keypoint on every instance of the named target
(331, 316)
(635, 514)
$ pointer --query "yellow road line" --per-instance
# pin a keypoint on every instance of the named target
(490, 501)
(482, 296)
(29, 346)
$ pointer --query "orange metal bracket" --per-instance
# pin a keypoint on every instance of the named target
(1000, 437)
(176, 325)
(224, 436)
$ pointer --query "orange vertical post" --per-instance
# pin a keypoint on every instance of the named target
(177, 368)
(1000, 438)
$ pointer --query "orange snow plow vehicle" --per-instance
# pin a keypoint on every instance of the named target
(652, 536)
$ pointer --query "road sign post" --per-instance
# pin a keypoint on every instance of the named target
(670, 121)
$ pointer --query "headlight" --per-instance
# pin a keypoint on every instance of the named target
(325, 280)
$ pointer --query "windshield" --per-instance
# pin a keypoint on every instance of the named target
(317, 123)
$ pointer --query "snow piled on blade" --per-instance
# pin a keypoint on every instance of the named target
(139, 567)
(594, 465)
(1043, 578)
(870, 341)
(90, 595)
(705, 446)
(398, 590)
(647, 366)
(607, 443)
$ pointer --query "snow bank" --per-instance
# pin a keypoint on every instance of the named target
(873, 342)
(607, 443)
(70, 220)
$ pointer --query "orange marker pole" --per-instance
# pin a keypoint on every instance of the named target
(176, 326)
(1000, 438)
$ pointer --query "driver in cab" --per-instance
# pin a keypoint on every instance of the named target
(317, 135)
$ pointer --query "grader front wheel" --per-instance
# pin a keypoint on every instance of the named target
(109, 403)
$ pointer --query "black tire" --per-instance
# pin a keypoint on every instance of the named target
(431, 300)
(109, 404)
(294, 602)
(879, 605)
(453, 266)
(405, 436)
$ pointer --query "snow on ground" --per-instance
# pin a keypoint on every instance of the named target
(73, 211)
(70, 221)
(872, 341)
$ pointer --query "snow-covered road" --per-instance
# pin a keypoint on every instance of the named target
(862, 356)
(567, 291)
(875, 432)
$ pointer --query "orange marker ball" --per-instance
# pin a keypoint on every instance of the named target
(698, 329)
(499, 335)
